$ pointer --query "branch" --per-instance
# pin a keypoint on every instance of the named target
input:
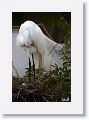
(58, 43)
(15, 70)
(44, 28)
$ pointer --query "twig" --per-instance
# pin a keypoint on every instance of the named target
(34, 97)
(51, 62)
(23, 98)
(58, 43)
(45, 99)
(18, 94)
(52, 49)
(15, 70)
(48, 95)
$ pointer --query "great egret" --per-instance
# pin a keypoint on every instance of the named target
(34, 41)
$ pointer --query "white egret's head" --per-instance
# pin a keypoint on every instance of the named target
(20, 41)
(24, 41)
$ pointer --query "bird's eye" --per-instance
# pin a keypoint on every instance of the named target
(32, 44)
(23, 45)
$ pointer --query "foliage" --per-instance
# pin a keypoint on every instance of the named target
(55, 83)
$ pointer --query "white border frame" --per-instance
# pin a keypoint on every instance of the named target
(76, 104)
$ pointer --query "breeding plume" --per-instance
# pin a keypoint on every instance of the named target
(34, 41)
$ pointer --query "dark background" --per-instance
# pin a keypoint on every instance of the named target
(58, 24)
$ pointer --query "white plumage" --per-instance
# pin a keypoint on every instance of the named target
(33, 40)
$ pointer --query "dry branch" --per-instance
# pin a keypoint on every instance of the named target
(44, 28)
(17, 75)
(58, 43)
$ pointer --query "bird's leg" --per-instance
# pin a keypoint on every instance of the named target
(33, 65)
(40, 61)
(29, 69)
